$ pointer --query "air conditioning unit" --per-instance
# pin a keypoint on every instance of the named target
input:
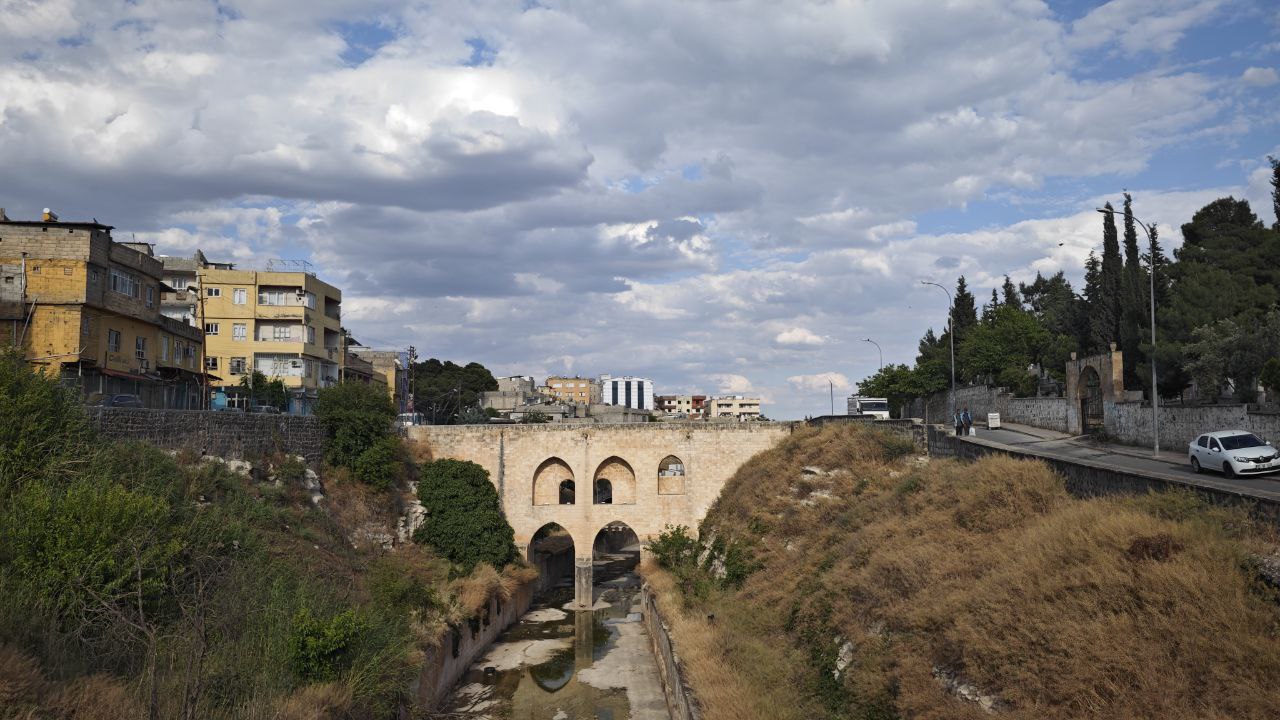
(295, 363)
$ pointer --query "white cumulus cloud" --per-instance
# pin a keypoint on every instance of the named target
(798, 336)
(1260, 77)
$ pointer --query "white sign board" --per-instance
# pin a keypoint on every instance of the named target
(993, 420)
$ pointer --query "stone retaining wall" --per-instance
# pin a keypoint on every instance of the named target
(1042, 412)
(681, 703)
(449, 659)
(1130, 423)
(224, 434)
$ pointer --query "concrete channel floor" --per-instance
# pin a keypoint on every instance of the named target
(1170, 463)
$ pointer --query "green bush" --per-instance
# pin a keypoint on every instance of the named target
(393, 587)
(379, 464)
(356, 418)
(675, 548)
(318, 649)
(464, 520)
(43, 426)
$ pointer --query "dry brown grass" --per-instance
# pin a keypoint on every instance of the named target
(1063, 608)
(25, 694)
(330, 701)
(474, 591)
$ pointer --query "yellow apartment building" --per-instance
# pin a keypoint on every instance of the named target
(389, 365)
(584, 391)
(286, 324)
(86, 309)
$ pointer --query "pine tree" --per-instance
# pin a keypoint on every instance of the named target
(966, 313)
(1106, 311)
(1275, 191)
(1010, 293)
(1095, 329)
(989, 310)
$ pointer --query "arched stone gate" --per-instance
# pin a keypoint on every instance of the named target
(1094, 383)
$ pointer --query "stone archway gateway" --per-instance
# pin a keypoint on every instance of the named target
(1090, 399)
(1093, 384)
(646, 467)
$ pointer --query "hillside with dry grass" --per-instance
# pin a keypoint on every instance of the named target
(841, 575)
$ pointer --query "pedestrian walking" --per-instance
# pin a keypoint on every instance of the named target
(959, 418)
(967, 419)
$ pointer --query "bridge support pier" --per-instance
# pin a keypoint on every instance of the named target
(582, 582)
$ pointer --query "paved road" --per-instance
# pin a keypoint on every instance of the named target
(1172, 465)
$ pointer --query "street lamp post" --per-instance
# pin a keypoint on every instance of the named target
(951, 333)
(1155, 390)
(873, 342)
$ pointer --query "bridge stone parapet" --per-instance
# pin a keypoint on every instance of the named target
(587, 477)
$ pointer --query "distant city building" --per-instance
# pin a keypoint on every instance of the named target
(632, 392)
(740, 407)
(513, 392)
(390, 365)
(580, 390)
(691, 406)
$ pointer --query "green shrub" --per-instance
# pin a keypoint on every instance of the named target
(379, 464)
(464, 520)
(675, 548)
(392, 587)
(357, 417)
(319, 650)
(42, 425)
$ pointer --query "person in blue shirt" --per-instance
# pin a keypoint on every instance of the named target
(967, 419)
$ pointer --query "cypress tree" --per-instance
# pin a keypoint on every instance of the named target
(1011, 297)
(1095, 328)
(965, 309)
(1275, 191)
(1133, 298)
(1106, 310)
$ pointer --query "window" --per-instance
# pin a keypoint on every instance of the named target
(113, 341)
(188, 351)
(151, 295)
(210, 363)
(239, 331)
(84, 325)
(178, 283)
(281, 332)
(239, 296)
(164, 348)
(66, 271)
(124, 283)
(213, 292)
(35, 269)
(237, 366)
(271, 297)
(140, 347)
(1203, 441)
(310, 301)
(311, 334)
(211, 328)
(1213, 444)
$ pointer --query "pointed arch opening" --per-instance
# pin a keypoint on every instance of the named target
(671, 476)
(550, 482)
(551, 552)
(618, 481)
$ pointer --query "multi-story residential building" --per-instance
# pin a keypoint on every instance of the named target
(283, 322)
(390, 366)
(358, 369)
(632, 392)
(579, 390)
(740, 407)
(513, 392)
(87, 309)
(690, 406)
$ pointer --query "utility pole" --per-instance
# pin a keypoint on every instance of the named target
(831, 387)
(951, 333)
(878, 350)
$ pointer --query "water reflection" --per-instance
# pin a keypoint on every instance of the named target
(557, 664)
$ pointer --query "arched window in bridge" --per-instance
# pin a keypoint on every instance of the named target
(621, 481)
(671, 476)
(566, 492)
(604, 492)
(549, 482)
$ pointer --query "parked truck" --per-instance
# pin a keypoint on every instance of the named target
(878, 407)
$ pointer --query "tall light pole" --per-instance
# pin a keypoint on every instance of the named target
(873, 342)
(831, 387)
(1155, 389)
(951, 333)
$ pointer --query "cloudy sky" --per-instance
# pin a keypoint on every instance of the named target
(724, 196)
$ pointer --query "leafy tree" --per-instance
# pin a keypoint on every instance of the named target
(444, 389)
(464, 520)
(262, 391)
(1269, 378)
(933, 363)
(1003, 349)
(473, 416)
(357, 418)
(1229, 351)
(899, 384)
(1055, 305)
(535, 418)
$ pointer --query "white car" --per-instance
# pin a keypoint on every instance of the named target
(1234, 452)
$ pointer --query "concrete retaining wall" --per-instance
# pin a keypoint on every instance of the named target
(681, 703)
(224, 434)
(445, 664)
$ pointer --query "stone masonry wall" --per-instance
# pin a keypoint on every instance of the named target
(1042, 412)
(1130, 423)
(224, 434)
(710, 452)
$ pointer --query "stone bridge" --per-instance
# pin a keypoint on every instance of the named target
(598, 480)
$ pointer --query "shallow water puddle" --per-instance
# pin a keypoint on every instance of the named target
(558, 664)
